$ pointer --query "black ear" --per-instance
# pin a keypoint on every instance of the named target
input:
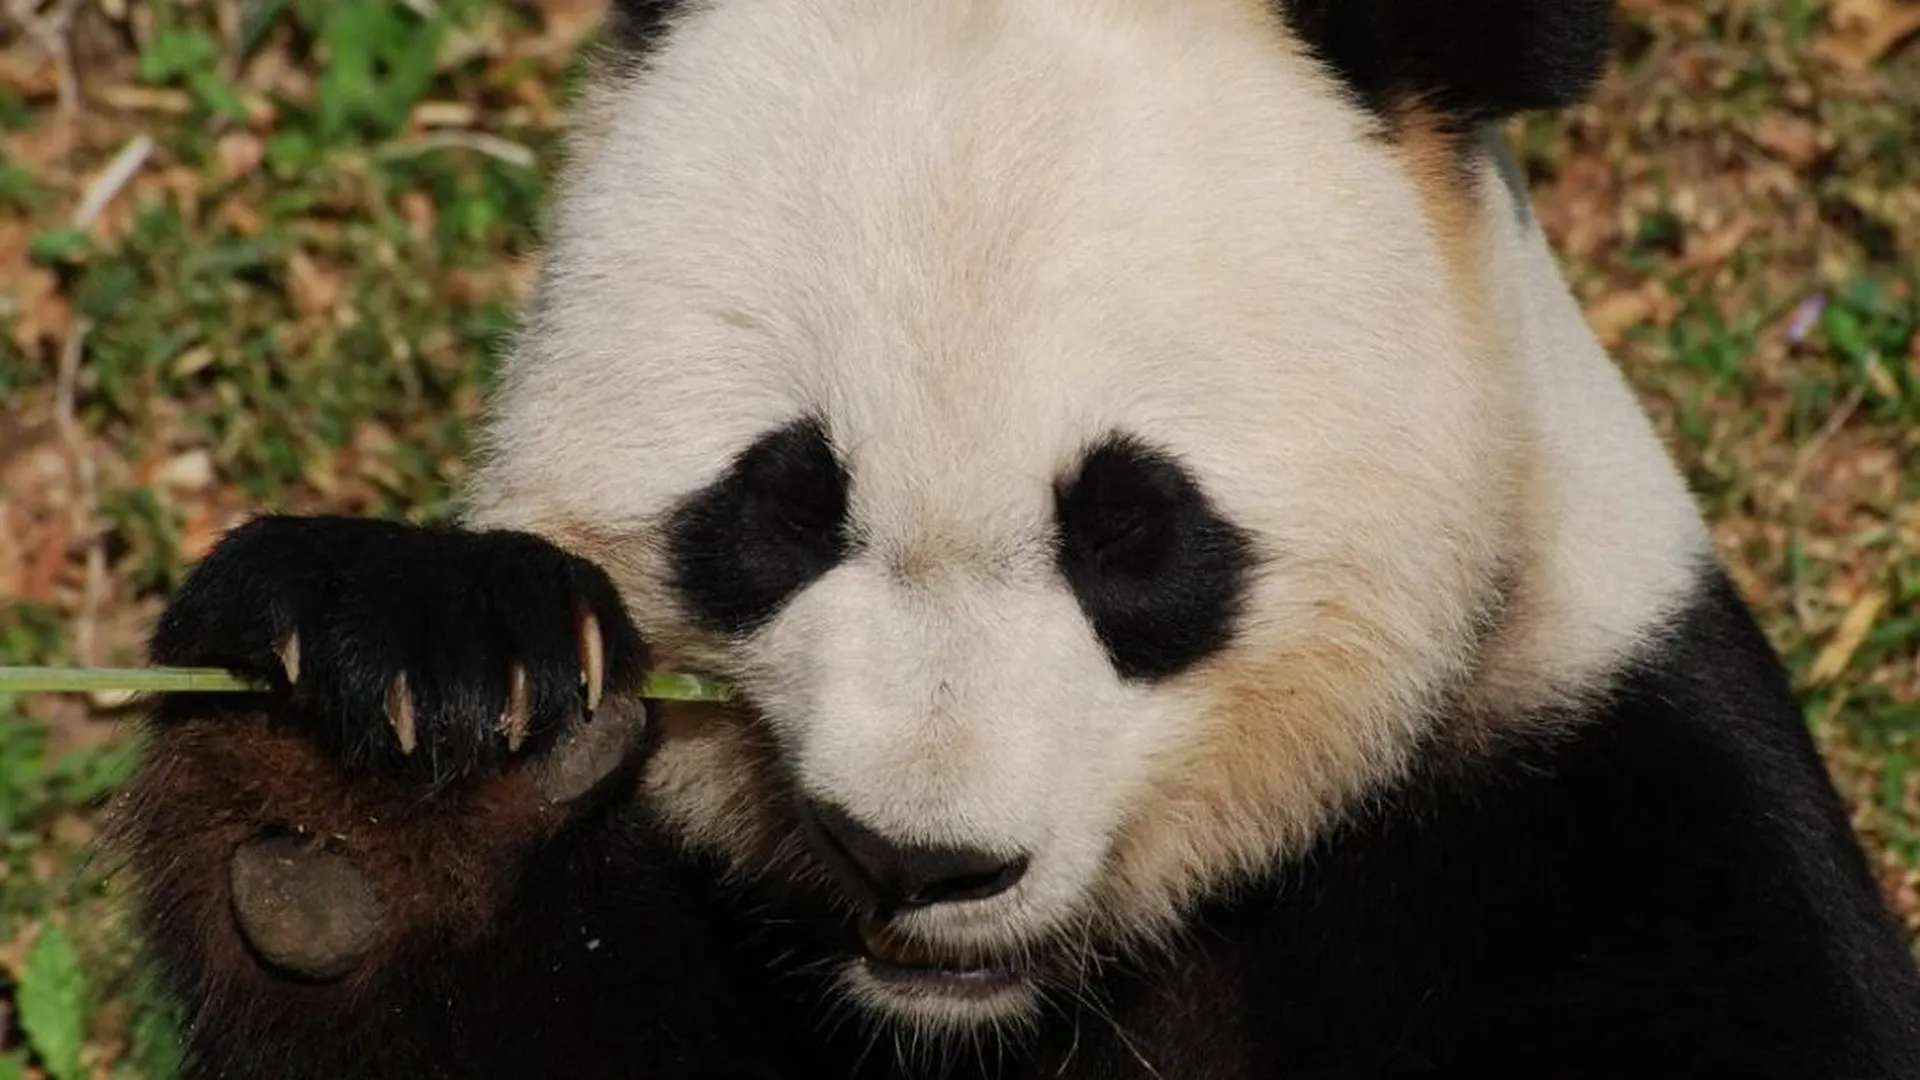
(1469, 60)
(637, 25)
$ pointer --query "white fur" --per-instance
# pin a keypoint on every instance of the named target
(1610, 530)
(975, 236)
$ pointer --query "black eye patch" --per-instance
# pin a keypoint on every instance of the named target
(1158, 571)
(772, 525)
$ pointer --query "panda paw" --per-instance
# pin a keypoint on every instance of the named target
(402, 647)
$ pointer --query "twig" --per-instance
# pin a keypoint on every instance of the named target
(1804, 459)
(108, 184)
(50, 31)
(85, 507)
(492, 146)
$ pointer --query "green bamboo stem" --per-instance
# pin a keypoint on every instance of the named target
(660, 686)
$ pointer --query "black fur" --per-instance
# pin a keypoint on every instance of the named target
(1666, 888)
(772, 525)
(372, 599)
(886, 877)
(1472, 60)
(1674, 891)
(1156, 569)
(636, 26)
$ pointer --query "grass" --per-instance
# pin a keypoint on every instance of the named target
(296, 298)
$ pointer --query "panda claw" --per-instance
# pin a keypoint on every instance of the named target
(519, 711)
(400, 713)
(593, 658)
(290, 657)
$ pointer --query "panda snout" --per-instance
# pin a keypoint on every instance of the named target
(889, 877)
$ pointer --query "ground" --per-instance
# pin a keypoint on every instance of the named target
(234, 277)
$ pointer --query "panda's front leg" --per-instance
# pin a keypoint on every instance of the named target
(323, 867)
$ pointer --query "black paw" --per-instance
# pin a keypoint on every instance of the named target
(435, 648)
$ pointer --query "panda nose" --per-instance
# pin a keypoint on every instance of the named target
(893, 877)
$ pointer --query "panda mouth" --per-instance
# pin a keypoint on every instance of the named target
(904, 965)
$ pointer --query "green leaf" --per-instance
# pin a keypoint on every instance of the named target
(53, 1004)
(22, 772)
(216, 95)
(1846, 334)
(58, 245)
(380, 60)
(173, 52)
(154, 1041)
(18, 190)
(290, 154)
(13, 1067)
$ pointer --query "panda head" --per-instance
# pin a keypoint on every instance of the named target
(1091, 432)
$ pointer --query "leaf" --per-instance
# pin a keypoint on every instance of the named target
(216, 95)
(1612, 315)
(13, 1067)
(53, 1001)
(1847, 335)
(1854, 627)
(1867, 31)
(18, 189)
(155, 1036)
(57, 245)
(380, 61)
(173, 52)
(1708, 250)
(256, 19)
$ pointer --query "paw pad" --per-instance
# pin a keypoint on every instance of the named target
(305, 910)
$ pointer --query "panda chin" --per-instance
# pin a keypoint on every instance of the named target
(909, 981)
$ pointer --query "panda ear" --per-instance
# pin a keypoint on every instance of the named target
(637, 25)
(1469, 60)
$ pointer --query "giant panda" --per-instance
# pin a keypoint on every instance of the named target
(1201, 604)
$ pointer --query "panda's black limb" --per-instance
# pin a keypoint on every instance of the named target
(492, 955)
(1668, 887)
(400, 648)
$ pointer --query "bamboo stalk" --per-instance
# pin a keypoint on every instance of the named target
(660, 686)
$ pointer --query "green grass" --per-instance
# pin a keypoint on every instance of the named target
(297, 301)
(294, 304)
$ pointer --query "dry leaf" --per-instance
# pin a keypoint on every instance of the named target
(13, 559)
(419, 211)
(191, 471)
(198, 533)
(1854, 628)
(314, 288)
(242, 217)
(239, 154)
(1866, 31)
(444, 114)
(155, 99)
(46, 557)
(1888, 34)
(1617, 312)
(1790, 138)
(40, 311)
(1711, 249)
(1613, 314)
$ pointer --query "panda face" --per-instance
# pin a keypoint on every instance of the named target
(965, 649)
(1087, 457)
